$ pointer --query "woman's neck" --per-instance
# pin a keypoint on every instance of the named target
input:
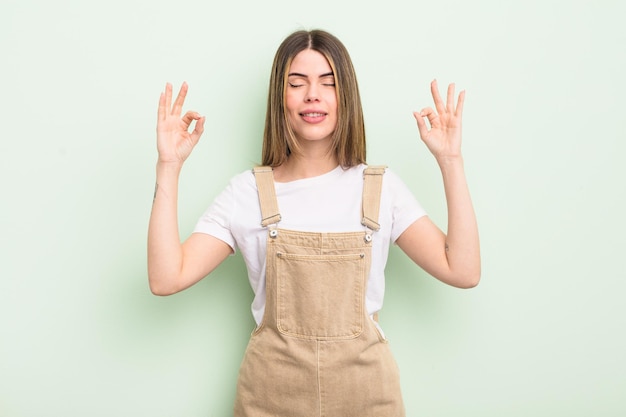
(298, 167)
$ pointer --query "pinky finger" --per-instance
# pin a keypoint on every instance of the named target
(161, 111)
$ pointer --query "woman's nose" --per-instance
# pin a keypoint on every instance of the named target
(311, 95)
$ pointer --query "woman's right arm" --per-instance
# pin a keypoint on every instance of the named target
(173, 266)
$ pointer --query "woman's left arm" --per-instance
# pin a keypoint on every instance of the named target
(453, 258)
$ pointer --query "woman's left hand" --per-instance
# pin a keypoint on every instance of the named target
(454, 258)
(443, 138)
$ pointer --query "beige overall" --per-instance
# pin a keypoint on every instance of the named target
(317, 353)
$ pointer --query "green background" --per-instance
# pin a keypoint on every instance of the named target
(80, 332)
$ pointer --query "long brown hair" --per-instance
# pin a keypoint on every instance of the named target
(349, 136)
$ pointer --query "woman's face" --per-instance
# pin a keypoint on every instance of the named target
(311, 99)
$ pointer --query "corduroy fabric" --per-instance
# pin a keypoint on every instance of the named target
(317, 352)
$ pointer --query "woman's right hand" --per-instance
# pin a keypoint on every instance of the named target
(174, 141)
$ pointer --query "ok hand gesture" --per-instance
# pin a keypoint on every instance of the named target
(174, 142)
(443, 139)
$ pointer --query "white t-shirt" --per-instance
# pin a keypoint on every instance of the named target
(327, 203)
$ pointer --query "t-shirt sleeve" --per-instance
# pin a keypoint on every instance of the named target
(404, 206)
(216, 220)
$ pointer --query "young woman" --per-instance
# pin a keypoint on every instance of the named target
(314, 225)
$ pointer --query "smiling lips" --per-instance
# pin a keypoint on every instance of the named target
(313, 116)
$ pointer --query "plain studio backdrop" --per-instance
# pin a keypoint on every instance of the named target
(80, 332)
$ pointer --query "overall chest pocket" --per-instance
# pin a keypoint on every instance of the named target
(321, 296)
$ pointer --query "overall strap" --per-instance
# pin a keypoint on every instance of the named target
(372, 185)
(264, 177)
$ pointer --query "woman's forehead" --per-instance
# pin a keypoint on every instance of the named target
(310, 62)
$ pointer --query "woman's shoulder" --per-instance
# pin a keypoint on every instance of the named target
(243, 179)
(389, 175)
(357, 172)
(240, 187)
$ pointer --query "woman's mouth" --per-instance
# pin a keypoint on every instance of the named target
(313, 117)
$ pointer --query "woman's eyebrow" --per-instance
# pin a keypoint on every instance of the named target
(297, 74)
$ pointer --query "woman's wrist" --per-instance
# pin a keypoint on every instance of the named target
(168, 167)
(450, 162)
